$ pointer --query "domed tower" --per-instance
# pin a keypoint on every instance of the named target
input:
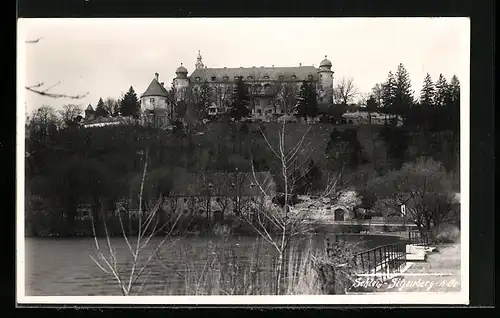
(199, 63)
(181, 81)
(326, 82)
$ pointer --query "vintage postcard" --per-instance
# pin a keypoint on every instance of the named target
(243, 161)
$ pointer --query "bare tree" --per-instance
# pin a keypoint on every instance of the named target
(132, 277)
(43, 121)
(345, 90)
(69, 113)
(423, 187)
(362, 98)
(377, 92)
(112, 106)
(222, 95)
(279, 223)
(286, 96)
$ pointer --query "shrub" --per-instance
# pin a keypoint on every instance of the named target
(447, 233)
(335, 267)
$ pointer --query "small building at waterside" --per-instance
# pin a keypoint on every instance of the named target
(217, 194)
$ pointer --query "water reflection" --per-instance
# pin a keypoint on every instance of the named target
(63, 267)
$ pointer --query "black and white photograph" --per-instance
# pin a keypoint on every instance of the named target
(243, 161)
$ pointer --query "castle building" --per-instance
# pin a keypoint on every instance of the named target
(157, 105)
(272, 89)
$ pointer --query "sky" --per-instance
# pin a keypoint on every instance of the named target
(104, 57)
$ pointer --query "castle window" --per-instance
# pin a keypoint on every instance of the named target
(266, 76)
(197, 79)
(281, 77)
(213, 78)
(257, 102)
(294, 77)
(249, 77)
(236, 77)
(225, 77)
(320, 75)
(152, 100)
(310, 77)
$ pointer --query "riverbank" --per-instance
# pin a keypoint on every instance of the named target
(441, 270)
(440, 273)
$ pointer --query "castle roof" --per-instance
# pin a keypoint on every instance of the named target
(181, 69)
(301, 73)
(89, 107)
(155, 89)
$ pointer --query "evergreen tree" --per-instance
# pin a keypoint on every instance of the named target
(116, 109)
(129, 105)
(204, 100)
(241, 101)
(454, 89)
(427, 92)
(311, 101)
(389, 93)
(371, 104)
(100, 110)
(441, 91)
(307, 104)
(403, 95)
(453, 104)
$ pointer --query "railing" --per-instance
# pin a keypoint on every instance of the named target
(420, 238)
(383, 260)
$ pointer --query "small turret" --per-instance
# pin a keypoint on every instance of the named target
(199, 63)
(89, 112)
(326, 81)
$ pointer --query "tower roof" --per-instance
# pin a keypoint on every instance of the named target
(89, 107)
(181, 69)
(155, 89)
(325, 62)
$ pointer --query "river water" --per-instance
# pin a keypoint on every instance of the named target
(64, 267)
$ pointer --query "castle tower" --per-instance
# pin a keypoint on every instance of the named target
(199, 63)
(181, 81)
(326, 82)
(89, 112)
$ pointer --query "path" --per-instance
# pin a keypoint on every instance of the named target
(440, 273)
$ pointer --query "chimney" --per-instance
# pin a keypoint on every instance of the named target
(300, 64)
(162, 84)
(157, 76)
